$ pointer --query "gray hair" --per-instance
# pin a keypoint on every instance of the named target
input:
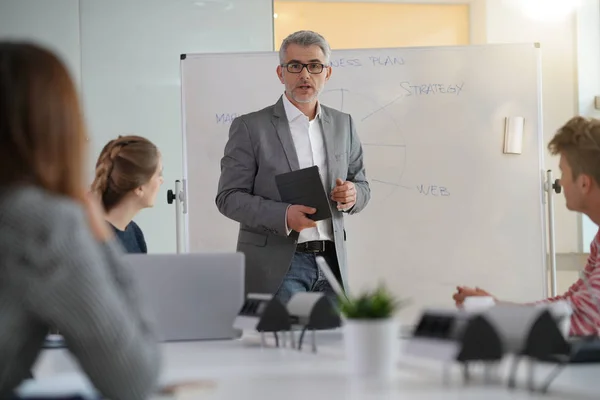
(305, 39)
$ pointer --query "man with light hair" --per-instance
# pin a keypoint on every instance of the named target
(578, 144)
(278, 239)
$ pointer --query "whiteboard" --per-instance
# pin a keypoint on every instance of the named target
(448, 206)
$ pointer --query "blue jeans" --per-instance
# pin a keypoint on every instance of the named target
(305, 275)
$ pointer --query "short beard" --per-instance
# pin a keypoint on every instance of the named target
(316, 95)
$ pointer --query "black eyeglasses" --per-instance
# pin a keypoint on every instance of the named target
(312, 68)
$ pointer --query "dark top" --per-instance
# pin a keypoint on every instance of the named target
(132, 238)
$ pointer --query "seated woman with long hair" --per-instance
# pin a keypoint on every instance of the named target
(60, 265)
(128, 177)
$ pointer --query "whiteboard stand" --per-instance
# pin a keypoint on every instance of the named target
(552, 186)
(180, 208)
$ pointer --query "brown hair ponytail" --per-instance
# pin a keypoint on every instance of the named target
(124, 164)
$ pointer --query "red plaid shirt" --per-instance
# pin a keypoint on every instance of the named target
(584, 297)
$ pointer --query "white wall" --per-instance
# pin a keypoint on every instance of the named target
(129, 67)
(54, 24)
(128, 61)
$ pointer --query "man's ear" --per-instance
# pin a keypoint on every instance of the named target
(329, 70)
(280, 73)
(585, 182)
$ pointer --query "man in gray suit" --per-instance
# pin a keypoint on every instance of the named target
(278, 239)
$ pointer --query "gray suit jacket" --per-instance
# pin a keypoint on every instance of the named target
(260, 146)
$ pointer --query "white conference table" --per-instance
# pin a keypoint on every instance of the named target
(243, 369)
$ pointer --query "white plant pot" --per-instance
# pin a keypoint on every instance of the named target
(372, 347)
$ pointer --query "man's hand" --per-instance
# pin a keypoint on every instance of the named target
(462, 292)
(344, 193)
(297, 219)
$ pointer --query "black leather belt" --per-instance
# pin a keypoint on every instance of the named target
(314, 246)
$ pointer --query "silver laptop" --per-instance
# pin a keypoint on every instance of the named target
(193, 296)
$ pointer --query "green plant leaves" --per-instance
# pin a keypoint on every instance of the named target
(375, 304)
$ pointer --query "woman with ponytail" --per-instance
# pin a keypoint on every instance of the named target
(128, 177)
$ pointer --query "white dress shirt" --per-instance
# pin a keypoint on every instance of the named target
(310, 148)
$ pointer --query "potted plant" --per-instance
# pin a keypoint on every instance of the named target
(371, 333)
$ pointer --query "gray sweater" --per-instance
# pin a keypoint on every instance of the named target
(54, 274)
